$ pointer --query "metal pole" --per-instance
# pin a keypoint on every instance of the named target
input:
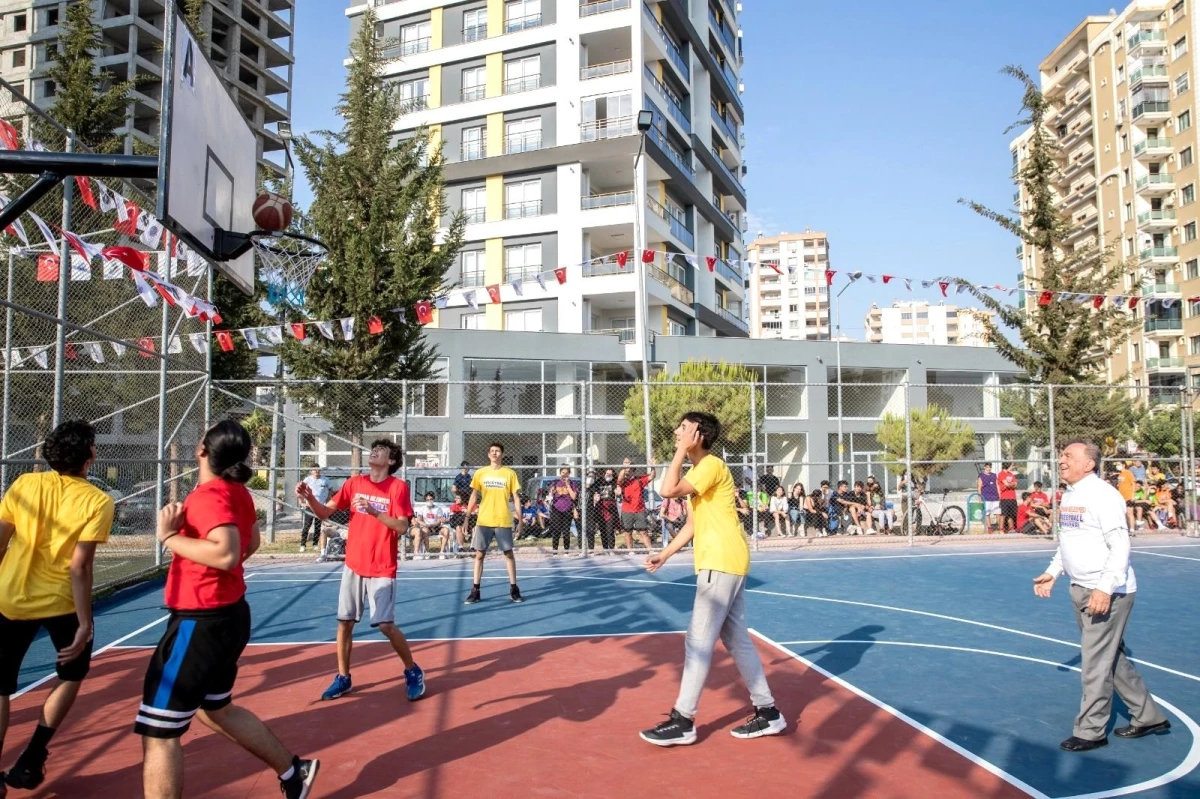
(276, 429)
(583, 466)
(838, 347)
(64, 275)
(208, 356)
(1183, 477)
(754, 468)
(1191, 449)
(1053, 466)
(161, 444)
(8, 334)
(404, 432)
(643, 300)
(908, 486)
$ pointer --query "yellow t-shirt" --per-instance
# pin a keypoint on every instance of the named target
(51, 512)
(495, 487)
(719, 543)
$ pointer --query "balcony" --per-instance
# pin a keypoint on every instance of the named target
(514, 24)
(602, 7)
(674, 101)
(729, 273)
(1165, 290)
(1164, 365)
(727, 75)
(1020, 251)
(1163, 328)
(1152, 148)
(1152, 73)
(472, 151)
(674, 285)
(473, 93)
(523, 209)
(610, 200)
(674, 54)
(1147, 39)
(676, 157)
(625, 335)
(1160, 255)
(522, 142)
(411, 47)
(725, 170)
(524, 83)
(1151, 111)
(732, 318)
(1161, 183)
(725, 126)
(678, 226)
(474, 33)
(606, 70)
(1157, 220)
(724, 34)
(611, 128)
(474, 216)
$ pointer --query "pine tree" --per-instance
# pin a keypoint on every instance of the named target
(90, 101)
(377, 205)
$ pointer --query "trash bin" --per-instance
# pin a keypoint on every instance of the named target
(975, 511)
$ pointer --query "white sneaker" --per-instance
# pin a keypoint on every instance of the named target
(302, 547)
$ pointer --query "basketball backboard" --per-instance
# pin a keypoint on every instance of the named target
(208, 156)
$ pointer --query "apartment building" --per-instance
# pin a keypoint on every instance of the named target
(920, 322)
(1123, 112)
(787, 291)
(535, 103)
(249, 41)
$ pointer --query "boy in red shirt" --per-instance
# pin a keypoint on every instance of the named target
(380, 510)
(633, 504)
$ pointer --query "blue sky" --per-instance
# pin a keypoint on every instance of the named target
(867, 120)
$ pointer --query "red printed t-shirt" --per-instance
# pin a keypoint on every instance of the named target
(194, 586)
(1008, 484)
(633, 494)
(370, 544)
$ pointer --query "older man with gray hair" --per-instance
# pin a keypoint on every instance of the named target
(1093, 551)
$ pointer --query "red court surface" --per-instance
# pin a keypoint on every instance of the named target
(553, 717)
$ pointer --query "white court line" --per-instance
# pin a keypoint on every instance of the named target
(1176, 557)
(448, 640)
(978, 761)
(1189, 763)
(99, 651)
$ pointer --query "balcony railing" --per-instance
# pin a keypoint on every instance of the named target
(411, 47)
(602, 7)
(474, 33)
(724, 33)
(725, 169)
(1164, 363)
(473, 150)
(674, 54)
(673, 154)
(610, 200)
(674, 102)
(474, 216)
(1151, 107)
(515, 24)
(522, 142)
(678, 226)
(1160, 179)
(608, 267)
(1159, 252)
(1152, 325)
(523, 209)
(725, 126)
(472, 93)
(409, 105)
(625, 335)
(610, 128)
(1151, 144)
(1165, 215)
(677, 287)
(1144, 36)
(727, 74)
(1165, 288)
(1153, 71)
(605, 70)
(728, 272)
(732, 318)
(525, 83)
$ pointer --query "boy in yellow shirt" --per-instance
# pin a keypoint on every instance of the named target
(492, 487)
(50, 525)
(722, 561)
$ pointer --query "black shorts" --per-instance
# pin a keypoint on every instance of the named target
(17, 635)
(193, 668)
(456, 519)
(1008, 509)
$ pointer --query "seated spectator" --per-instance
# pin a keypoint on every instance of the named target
(1037, 517)
(779, 512)
(1023, 511)
(818, 514)
(1164, 506)
(1140, 504)
(430, 520)
(457, 520)
(881, 509)
(864, 514)
(844, 509)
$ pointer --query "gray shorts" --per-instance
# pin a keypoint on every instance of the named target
(377, 593)
(634, 521)
(484, 535)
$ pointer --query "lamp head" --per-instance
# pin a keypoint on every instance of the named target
(645, 121)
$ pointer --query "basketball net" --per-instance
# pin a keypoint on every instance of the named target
(288, 263)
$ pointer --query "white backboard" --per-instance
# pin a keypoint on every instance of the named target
(208, 155)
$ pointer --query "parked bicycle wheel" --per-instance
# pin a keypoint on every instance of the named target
(952, 521)
(916, 522)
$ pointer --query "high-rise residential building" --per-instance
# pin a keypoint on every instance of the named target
(1123, 111)
(250, 42)
(535, 104)
(787, 289)
(919, 322)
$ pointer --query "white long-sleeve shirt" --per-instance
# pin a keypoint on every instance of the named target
(1093, 539)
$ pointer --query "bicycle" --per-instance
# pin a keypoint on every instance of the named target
(944, 519)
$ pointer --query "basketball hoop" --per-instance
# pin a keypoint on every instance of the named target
(288, 262)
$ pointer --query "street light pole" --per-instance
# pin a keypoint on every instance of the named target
(645, 119)
(837, 316)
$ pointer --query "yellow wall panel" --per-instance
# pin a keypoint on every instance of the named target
(494, 66)
(435, 86)
(435, 29)
(494, 316)
(493, 250)
(495, 134)
(495, 200)
(495, 18)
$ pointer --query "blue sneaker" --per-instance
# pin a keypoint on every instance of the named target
(341, 685)
(414, 678)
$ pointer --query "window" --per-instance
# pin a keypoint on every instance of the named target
(1183, 122)
(1136, 352)
(474, 205)
(18, 57)
(474, 25)
(472, 321)
(1179, 49)
(1193, 308)
(414, 95)
(1181, 84)
(1193, 269)
(1194, 345)
(1124, 178)
(1120, 75)
(1185, 157)
(415, 38)
(1187, 195)
(523, 199)
(679, 329)
(606, 116)
(50, 88)
(1177, 10)
(51, 17)
(1123, 143)
(522, 14)
(1189, 232)
(474, 84)
(522, 75)
(523, 135)
(522, 262)
(793, 293)
(1128, 212)
(793, 309)
(906, 316)
(474, 262)
(473, 143)
(529, 321)
(19, 22)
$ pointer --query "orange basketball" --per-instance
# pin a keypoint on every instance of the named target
(272, 212)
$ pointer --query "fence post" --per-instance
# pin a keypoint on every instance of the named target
(64, 276)
(161, 444)
(404, 430)
(908, 484)
(8, 333)
(1053, 469)
(208, 363)
(753, 469)
(1187, 475)
(583, 467)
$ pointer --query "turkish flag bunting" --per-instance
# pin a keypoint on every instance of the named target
(622, 257)
(225, 340)
(47, 268)
(129, 225)
(829, 273)
(69, 352)
(134, 259)
(424, 312)
(1133, 301)
(9, 139)
(85, 192)
(648, 256)
(886, 278)
(943, 285)
(560, 274)
(494, 293)
(1046, 298)
(711, 261)
(146, 343)
(775, 266)
(298, 331)
(374, 325)
(166, 294)
(1098, 302)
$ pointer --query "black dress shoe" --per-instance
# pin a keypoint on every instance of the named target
(1134, 731)
(1074, 744)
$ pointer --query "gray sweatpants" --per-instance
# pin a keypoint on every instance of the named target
(719, 611)
(1105, 667)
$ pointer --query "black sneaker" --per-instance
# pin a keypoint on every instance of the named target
(304, 774)
(514, 594)
(28, 772)
(765, 721)
(677, 730)
(473, 597)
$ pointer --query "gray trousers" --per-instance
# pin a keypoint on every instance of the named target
(719, 612)
(1105, 667)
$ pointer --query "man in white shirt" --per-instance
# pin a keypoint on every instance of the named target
(1093, 551)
